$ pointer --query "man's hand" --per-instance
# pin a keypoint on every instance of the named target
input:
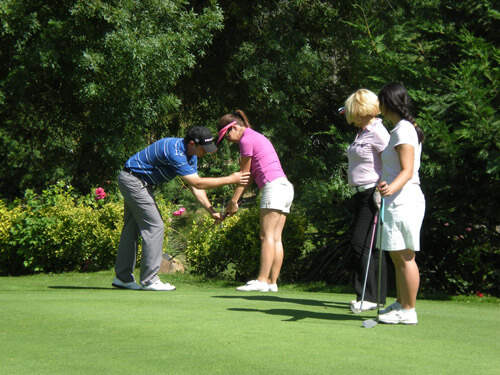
(240, 178)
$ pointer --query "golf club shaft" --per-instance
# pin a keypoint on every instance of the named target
(381, 228)
(368, 261)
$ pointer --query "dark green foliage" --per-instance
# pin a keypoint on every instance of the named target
(449, 61)
(85, 84)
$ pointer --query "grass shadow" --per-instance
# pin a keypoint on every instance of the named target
(82, 287)
(297, 315)
(298, 301)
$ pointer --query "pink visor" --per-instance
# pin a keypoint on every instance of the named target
(223, 131)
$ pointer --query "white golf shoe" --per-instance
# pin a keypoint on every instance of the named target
(254, 286)
(357, 308)
(399, 317)
(273, 287)
(158, 286)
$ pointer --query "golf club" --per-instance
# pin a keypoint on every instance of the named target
(353, 309)
(372, 322)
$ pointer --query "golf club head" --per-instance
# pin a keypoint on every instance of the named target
(355, 310)
(370, 323)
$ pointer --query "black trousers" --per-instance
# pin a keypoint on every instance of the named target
(364, 215)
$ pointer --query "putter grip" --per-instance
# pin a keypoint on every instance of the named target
(382, 209)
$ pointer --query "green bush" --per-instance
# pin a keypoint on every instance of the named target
(59, 231)
(468, 261)
(234, 246)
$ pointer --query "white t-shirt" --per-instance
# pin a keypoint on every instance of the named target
(403, 133)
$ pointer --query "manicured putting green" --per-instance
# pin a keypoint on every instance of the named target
(78, 324)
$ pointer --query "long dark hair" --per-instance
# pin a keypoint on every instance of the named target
(394, 97)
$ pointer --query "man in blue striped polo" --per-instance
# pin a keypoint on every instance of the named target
(160, 162)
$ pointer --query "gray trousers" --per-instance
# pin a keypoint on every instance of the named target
(141, 218)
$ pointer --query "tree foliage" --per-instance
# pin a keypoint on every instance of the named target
(450, 64)
(85, 83)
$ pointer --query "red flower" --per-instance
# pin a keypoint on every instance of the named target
(99, 194)
(479, 294)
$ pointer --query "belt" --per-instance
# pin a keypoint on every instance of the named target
(359, 189)
(135, 174)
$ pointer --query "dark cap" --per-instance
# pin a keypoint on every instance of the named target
(201, 136)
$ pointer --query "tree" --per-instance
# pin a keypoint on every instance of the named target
(86, 83)
(446, 53)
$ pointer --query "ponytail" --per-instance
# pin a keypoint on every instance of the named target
(239, 116)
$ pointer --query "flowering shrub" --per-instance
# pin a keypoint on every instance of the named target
(59, 231)
(235, 245)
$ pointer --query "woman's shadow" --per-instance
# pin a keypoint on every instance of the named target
(295, 314)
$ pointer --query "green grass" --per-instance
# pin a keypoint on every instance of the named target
(77, 324)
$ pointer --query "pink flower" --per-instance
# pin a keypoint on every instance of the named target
(468, 229)
(446, 224)
(99, 194)
(179, 212)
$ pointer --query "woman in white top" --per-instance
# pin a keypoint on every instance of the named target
(364, 171)
(404, 201)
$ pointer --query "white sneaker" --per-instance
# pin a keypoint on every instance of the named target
(254, 286)
(355, 307)
(399, 316)
(395, 306)
(273, 287)
(159, 286)
(117, 283)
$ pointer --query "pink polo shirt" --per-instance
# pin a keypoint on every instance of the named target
(265, 166)
(365, 163)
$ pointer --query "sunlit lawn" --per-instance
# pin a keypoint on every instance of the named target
(78, 324)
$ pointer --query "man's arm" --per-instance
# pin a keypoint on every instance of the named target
(197, 182)
(201, 196)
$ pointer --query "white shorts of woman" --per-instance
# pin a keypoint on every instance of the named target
(277, 195)
(403, 221)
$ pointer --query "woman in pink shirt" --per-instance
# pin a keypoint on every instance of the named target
(364, 171)
(259, 157)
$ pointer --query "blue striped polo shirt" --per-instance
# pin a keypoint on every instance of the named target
(162, 161)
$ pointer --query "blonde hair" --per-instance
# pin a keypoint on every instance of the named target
(362, 103)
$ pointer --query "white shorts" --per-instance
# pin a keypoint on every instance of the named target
(402, 223)
(277, 195)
